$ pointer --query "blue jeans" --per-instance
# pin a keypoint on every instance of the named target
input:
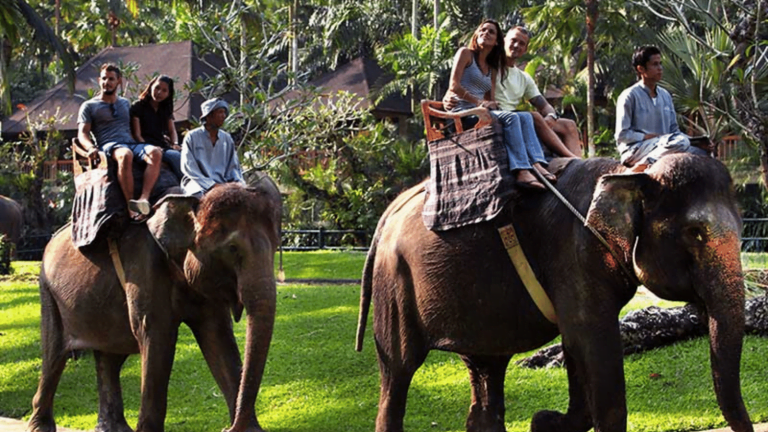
(523, 146)
(173, 159)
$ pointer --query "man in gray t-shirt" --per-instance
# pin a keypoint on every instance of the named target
(107, 117)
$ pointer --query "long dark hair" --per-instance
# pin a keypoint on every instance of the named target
(166, 106)
(497, 58)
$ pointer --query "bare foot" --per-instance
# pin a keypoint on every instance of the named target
(526, 180)
(546, 174)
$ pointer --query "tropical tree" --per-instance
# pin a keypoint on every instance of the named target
(743, 62)
(13, 15)
(418, 63)
(560, 56)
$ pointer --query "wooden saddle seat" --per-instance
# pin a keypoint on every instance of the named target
(80, 161)
(440, 123)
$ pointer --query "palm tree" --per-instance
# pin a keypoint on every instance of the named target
(418, 63)
(13, 13)
(744, 78)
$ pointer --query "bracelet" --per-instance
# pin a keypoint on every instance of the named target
(553, 115)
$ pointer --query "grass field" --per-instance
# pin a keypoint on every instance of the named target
(316, 382)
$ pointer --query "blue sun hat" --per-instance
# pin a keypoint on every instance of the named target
(211, 105)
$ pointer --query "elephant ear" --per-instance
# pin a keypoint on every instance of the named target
(173, 224)
(616, 208)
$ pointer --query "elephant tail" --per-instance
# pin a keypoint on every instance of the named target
(366, 290)
(366, 286)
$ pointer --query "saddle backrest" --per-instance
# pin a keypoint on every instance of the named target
(439, 122)
(80, 161)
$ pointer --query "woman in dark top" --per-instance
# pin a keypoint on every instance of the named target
(152, 120)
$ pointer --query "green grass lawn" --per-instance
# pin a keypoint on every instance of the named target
(316, 382)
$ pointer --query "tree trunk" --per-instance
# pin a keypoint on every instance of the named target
(591, 21)
(655, 327)
(436, 15)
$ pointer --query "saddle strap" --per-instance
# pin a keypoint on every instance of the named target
(116, 262)
(524, 270)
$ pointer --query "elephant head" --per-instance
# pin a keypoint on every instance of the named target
(225, 246)
(678, 226)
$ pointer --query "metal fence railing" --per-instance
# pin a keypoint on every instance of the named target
(754, 242)
(305, 240)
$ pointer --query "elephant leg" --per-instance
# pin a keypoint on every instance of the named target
(111, 415)
(486, 373)
(156, 333)
(596, 382)
(577, 419)
(156, 365)
(54, 359)
(212, 328)
(396, 370)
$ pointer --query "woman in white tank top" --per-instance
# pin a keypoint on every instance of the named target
(473, 77)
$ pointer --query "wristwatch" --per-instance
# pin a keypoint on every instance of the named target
(553, 115)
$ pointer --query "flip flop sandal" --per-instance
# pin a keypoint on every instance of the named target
(531, 185)
(139, 206)
(138, 218)
(549, 176)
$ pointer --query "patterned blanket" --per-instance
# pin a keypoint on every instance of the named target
(470, 180)
(99, 207)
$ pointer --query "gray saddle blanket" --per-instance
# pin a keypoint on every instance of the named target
(99, 207)
(470, 181)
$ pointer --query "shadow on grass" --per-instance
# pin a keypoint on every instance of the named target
(315, 381)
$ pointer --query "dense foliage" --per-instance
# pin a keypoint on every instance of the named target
(341, 166)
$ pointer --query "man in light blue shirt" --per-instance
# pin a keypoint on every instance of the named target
(208, 155)
(646, 122)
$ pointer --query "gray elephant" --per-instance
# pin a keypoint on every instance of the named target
(677, 226)
(193, 266)
(11, 219)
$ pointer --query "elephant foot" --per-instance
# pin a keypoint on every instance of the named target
(253, 427)
(485, 421)
(38, 426)
(548, 421)
(250, 429)
(112, 427)
(554, 421)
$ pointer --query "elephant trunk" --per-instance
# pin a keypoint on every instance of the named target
(726, 330)
(259, 297)
(723, 295)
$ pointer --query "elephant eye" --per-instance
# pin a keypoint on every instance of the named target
(696, 234)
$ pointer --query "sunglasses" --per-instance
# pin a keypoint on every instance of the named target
(114, 110)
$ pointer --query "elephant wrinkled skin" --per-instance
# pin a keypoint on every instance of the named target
(220, 261)
(11, 223)
(11, 219)
(676, 225)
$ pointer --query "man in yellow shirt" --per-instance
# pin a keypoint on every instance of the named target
(559, 135)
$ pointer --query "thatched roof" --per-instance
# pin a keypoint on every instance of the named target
(359, 77)
(178, 60)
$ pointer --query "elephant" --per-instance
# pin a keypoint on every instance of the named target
(675, 229)
(197, 263)
(11, 219)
